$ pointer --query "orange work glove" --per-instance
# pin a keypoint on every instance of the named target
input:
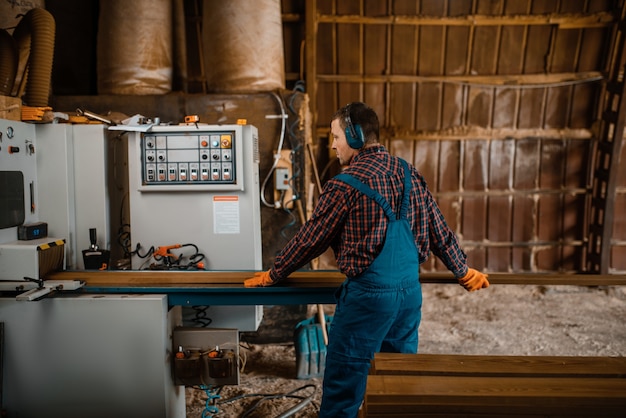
(260, 279)
(474, 280)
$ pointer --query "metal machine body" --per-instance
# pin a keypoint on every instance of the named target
(18, 178)
(199, 185)
(101, 353)
(99, 356)
(63, 171)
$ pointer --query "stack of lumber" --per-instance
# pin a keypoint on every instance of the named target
(419, 385)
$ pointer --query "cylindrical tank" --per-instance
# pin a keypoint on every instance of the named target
(135, 47)
(243, 45)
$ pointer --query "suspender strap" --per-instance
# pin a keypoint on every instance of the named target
(374, 195)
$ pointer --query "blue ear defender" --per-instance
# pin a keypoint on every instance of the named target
(354, 132)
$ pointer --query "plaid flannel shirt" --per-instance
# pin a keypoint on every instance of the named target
(355, 226)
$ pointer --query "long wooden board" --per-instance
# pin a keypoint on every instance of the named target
(408, 396)
(308, 278)
(477, 365)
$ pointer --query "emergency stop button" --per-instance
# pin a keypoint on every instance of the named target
(226, 141)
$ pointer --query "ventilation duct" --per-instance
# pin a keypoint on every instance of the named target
(8, 62)
(34, 36)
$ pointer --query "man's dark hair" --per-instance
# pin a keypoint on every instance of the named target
(360, 114)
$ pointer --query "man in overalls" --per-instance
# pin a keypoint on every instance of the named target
(381, 221)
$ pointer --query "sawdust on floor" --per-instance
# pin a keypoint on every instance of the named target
(501, 320)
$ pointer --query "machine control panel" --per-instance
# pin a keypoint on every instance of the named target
(202, 158)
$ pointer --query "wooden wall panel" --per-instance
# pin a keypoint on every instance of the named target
(449, 174)
(557, 106)
(618, 259)
(552, 164)
(573, 229)
(505, 108)
(499, 209)
(564, 55)
(577, 164)
(426, 159)
(446, 186)
(547, 259)
(519, 99)
(550, 206)
(479, 110)
(583, 106)
(402, 148)
(570, 258)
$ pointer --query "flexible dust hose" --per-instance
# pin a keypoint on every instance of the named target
(34, 36)
(8, 62)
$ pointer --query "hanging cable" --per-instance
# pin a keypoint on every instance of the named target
(277, 155)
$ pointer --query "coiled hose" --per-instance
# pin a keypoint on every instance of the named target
(34, 36)
(8, 62)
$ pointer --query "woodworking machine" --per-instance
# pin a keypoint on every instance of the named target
(158, 208)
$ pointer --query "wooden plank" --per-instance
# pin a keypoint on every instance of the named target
(477, 365)
(500, 81)
(312, 278)
(398, 395)
(600, 19)
(472, 133)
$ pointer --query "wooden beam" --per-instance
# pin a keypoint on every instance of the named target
(488, 365)
(310, 48)
(477, 133)
(310, 278)
(564, 21)
(494, 81)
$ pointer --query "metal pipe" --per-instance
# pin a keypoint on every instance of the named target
(95, 116)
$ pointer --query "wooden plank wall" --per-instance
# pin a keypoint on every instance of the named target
(494, 101)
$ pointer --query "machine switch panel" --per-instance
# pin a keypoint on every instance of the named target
(206, 158)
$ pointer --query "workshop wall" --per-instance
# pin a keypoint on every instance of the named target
(501, 104)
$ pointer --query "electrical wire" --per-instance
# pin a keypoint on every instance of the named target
(305, 400)
(213, 394)
(201, 319)
(283, 117)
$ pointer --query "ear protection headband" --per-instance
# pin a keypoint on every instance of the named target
(354, 132)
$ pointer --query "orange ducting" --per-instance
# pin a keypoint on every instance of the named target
(34, 36)
(8, 62)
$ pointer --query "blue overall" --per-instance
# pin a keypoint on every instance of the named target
(377, 311)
